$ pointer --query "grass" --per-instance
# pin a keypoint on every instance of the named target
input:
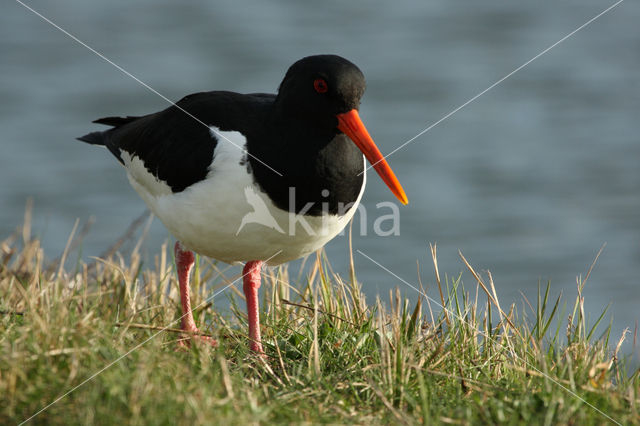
(333, 357)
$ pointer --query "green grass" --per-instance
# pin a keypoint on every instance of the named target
(333, 357)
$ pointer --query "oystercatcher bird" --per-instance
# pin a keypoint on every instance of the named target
(255, 178)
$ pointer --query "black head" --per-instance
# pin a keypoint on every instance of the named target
(320, 96)
(318, 87)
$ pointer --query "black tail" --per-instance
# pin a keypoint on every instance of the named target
(99, 138)
(115, 121)
(103, 138)
(94, 138)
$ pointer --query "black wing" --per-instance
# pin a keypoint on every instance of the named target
(178, 147)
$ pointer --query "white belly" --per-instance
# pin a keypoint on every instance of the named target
(227, 216)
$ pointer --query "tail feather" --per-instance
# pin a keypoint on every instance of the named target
(103, 138)
(100, 138)
(115, 121)
(94, 138)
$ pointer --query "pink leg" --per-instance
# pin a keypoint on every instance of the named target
(251, 284)
(184, 263)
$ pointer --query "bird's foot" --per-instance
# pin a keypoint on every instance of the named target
(186, 340)
(256, 348)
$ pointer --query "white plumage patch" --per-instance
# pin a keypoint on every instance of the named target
(207, 217)
(138, 172)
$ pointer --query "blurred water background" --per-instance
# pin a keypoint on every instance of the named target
(528, 181)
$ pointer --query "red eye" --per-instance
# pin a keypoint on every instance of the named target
(320, 85)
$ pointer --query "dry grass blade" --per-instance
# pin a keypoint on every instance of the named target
(593, 264)
(479, 280)
(74, 242)
(157, 327)
(434, 257)
(316, 309)
(126, 236)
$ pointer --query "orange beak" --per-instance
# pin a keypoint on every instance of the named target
(350, 124)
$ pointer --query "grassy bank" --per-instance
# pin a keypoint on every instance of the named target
(96, 330)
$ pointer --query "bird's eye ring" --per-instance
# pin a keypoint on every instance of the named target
(320, 85)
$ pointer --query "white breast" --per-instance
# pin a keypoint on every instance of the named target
(227, 217)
